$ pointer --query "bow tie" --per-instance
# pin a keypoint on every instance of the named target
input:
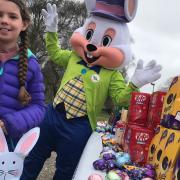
(94, 68)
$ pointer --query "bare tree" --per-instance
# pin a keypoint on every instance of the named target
(71, 16)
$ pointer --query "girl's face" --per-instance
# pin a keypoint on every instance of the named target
(11, 23)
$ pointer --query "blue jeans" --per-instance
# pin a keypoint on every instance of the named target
(66, 137)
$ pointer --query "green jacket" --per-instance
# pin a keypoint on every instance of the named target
(111, 81)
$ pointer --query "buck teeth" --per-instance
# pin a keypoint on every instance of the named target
(89, 55)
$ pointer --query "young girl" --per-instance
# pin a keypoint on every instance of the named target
(21, 83)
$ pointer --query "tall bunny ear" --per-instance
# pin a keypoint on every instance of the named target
(3, 143)
(27, 142)
(130, 8)
(90, 5)
(118, 10)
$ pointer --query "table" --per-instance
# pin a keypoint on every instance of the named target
(90, 154)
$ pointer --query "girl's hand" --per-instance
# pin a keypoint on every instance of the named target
(3, 127)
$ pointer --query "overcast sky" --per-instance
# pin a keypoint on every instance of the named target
(156, 31)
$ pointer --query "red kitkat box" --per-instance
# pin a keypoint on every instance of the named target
(155, 109)
(156, 99)
(137, 140)
(138, 109)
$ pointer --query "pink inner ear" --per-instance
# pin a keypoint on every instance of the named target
(131, 7)
(2, 145)
(28, 143)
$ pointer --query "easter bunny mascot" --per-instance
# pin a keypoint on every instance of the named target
(100, 47)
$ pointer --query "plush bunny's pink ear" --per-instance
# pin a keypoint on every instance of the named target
(130, 8)
(27, 142)
(3, 143)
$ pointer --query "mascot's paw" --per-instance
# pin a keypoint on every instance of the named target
(147, 74)
(50, 18)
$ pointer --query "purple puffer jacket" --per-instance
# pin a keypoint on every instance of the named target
(19, 119)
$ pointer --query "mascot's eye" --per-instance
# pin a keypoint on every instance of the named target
(89, 34)
(106, 40)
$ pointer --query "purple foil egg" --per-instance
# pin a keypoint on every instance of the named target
(99, 164)
(149, 166)
(149, 173)
(109, 156)
(136, 173)
(176, 125)
(110, 164)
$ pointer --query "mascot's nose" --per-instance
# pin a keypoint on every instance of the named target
(91, 47)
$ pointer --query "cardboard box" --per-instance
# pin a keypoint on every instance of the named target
(176, 173)
(160, 134)
(137, 140)
(157, 99)
(138, 109)
(155, 109)
(170, 117)
(167, 151)
(120, 127)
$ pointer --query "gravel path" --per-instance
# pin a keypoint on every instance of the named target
(48, 169)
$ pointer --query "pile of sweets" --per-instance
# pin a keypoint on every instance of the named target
(116, 163)
(107, 135)
(103, 126)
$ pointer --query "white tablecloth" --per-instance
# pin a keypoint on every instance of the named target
(90, 154)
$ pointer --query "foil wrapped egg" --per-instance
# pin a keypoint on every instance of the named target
(95, 177)
(112, 176)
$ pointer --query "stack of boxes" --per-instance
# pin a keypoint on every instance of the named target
(152, 133)
(164, 151)
(155, 109)
(137, 136)
(143, 117)
(120, 128)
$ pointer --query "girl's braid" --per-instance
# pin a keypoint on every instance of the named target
(24, 96)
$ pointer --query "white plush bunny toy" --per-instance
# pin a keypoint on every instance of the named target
(11, 163)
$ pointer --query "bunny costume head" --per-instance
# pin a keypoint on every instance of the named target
(104, 39)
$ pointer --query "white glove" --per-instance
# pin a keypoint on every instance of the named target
(50, 18)
(147, 74)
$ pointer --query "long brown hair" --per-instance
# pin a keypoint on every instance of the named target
(23, 96)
